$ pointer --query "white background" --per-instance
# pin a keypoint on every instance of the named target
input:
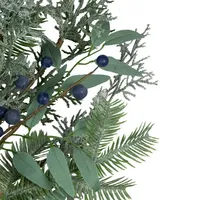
(172, 171)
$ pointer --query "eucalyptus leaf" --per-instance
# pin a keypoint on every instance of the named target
(50, 49)
(99, 36)
(55, 195)
(119, 37)
(59, 169)
(89, 82)
(121, 68)
(33, 106)
(27, 166)
(87, 168)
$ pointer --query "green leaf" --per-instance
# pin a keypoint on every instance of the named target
(80, 128)
(28, 167)
(55, 79)
(51, 50)
(89, 82)
(99, 36)
(119, 67)
(122, 36)
(34, 105)
(55, 195)
(87, 168)
(59, 169)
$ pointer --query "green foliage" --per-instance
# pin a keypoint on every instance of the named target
(100, 32)
(55, 79)
(122, 36)
(91, 81)
(80, 128)
(121, 68)
(109, 189)
(58, 167)
(24, 190)
(103, 122)
(78, 162)
(50, 49)
(28, 167)
(33, 106)
(87, 168)
(137, 145)
(34, 143)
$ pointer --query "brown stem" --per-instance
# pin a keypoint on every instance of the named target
(12, 129)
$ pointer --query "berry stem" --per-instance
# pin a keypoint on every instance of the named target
(87, 62)
(84, 59)
(12, 129)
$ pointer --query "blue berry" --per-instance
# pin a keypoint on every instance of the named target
(46, 62)
(43, 98)
(79, 91)
(1, 132)
(2, 111)
(22, 82)
(12, 116)
(102, 61)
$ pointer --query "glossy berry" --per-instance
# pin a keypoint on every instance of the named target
(43, 98)
(22, 82)
(46, 62)
(2, 111)
(79, 91)
(12, 116)
(102, 61)
(1, 132)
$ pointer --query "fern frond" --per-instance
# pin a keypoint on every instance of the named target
(8, 173)
(102, 124)
(109, 189)
(33, 144)
(25, 190)
(137, 145)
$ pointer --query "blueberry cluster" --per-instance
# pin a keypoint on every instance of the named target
(79, 91)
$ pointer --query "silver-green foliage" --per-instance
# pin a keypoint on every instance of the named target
(110, 154)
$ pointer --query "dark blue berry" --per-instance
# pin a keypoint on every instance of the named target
(1, 132)
(2, 111)
(102, 61)
(46, 62)
(12, 116)
(43, 98)
(79, 91)
(22, 82)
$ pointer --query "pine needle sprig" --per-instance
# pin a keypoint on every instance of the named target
(133, 147)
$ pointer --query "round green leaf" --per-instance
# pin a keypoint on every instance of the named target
(122, 36)
(89, 82)
(100, 32)
(119, 67)
(87, 168)
(59, 169)
(27, 166)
